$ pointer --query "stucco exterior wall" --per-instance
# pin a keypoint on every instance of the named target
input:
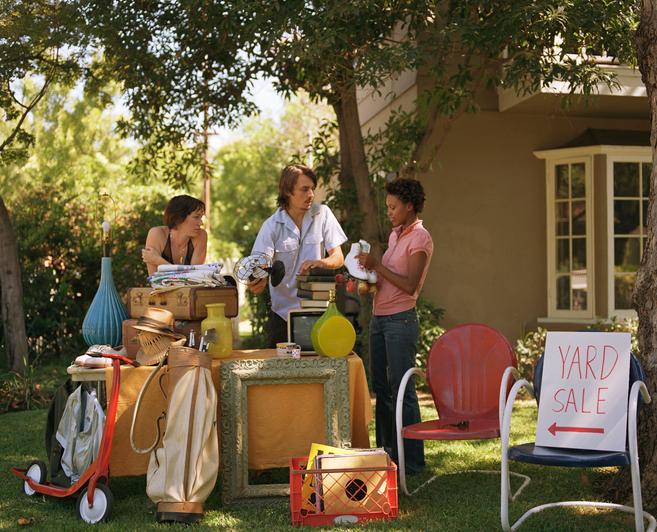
(486, 212)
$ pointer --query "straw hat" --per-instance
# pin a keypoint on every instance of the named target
(159, 321)
(156, 335)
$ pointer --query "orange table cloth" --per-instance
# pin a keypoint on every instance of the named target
(284, 419)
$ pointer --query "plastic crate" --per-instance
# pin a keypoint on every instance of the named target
(321, 497)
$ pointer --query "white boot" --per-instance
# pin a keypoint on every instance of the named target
(353, 266)
(365, 248)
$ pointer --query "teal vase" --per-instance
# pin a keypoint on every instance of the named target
(102, 324)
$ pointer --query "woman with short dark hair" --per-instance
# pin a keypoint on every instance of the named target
(394, 328)
(181, 240)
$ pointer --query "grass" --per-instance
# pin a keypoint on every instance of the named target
(457, 500)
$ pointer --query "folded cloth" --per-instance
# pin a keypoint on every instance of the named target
(189, 267)
(88, 361)
(98, 349)
(198, 277)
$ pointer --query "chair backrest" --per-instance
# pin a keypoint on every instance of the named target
(465, 369)
(636, 374)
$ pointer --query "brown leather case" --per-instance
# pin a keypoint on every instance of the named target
(186, 303)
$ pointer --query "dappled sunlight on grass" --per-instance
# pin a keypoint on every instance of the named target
(455, 500)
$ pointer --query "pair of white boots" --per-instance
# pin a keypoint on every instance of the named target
(353, 266)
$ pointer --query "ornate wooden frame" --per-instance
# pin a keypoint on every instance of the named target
(237, 376)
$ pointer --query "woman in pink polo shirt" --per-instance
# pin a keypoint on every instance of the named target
(394, 329)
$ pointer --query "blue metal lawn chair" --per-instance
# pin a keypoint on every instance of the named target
(553, 456)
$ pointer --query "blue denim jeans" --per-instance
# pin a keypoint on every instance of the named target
(393, 345)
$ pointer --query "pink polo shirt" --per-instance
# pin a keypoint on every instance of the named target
(401, 245)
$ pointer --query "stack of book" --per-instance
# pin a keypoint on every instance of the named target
(313, 287)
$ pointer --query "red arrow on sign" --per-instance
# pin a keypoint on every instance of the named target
(554, 428)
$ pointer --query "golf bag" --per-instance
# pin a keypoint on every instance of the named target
(184, 462)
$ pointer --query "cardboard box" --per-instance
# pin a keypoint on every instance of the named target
(186, 303)
(181, 326)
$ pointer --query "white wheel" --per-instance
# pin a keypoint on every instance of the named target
(37, 472)
(102, 507)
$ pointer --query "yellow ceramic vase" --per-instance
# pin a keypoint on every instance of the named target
(221, 340)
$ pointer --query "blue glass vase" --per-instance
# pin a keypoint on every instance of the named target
(102, 324)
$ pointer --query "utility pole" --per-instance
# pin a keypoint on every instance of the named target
(206, 170)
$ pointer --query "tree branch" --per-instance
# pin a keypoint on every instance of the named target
(13, 97)
(27, 110)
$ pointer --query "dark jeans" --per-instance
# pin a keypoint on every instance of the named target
(393, 345)
(276, 330)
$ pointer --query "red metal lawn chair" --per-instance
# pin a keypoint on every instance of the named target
(95, 499)
(464, 371)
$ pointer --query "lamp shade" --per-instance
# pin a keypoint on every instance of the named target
(102, 323)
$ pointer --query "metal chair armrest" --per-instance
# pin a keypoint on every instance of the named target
(400, 393)
(505, 426)
(632, 407)
(510, 372)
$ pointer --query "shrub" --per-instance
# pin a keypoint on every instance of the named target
(59, 249)
(429, 317)
(528, 349)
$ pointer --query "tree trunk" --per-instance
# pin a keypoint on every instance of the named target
(645, 293)
(346, 175)
(353, 141)
(11, 294)
(347, 185)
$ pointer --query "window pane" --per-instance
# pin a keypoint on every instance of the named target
(646, 168)
(579, 299)
(577, 180)
(563, 255)
(563, 214)
(579, 217)
(623, 288)
(579, 253)
(626, 179)
(579, 287)
(563, 292)
(626, 217)
(626, 254)
(561, 173)
(645, 216)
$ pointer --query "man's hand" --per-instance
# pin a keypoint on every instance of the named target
(308, 264)
(257, 286)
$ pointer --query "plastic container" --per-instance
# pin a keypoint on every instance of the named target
(221, 342)
(346, 492)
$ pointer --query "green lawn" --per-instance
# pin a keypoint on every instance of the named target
(456, 501)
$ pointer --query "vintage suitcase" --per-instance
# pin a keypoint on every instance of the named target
(186, 303)
(180, 326)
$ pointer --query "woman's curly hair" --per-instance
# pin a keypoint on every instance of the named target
(408, 191)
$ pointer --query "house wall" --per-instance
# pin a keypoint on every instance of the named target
(486, 212)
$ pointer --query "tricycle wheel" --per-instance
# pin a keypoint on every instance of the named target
(37, 472)
(102, 506)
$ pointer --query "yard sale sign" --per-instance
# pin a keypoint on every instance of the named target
(583, 401)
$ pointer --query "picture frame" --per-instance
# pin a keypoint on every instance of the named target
(235, 378)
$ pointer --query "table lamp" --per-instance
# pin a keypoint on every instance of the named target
(102, 323)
